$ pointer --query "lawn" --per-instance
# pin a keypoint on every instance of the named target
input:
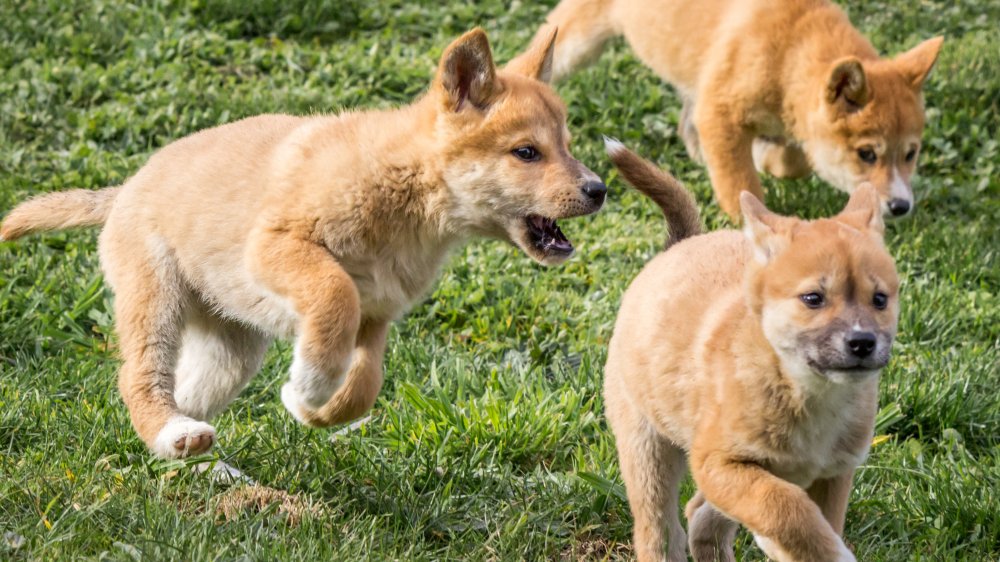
(488, 440)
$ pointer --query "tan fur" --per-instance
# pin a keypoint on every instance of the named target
(324, 228)
(789, 85)
(717, 360)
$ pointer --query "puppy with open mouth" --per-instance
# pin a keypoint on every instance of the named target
(753, 358)
(322, 228)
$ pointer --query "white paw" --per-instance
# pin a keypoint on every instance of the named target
(769, 547)
(313, 385)
(775, 552)
(844, 554)
(294, 403)
(183, 437)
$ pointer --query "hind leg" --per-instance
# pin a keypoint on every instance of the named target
(217, 359)
(780, 159)
(711, 533)
(150, 302)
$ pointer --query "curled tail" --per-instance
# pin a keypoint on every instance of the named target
(677, 203)
(56, 211)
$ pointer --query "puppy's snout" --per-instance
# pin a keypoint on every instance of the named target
(861, 344)
(899, 207)
(595, 190)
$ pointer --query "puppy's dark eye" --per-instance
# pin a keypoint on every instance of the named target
(526, 153)
(867, 155)
(880, 301)
(812, 300)
(911, 155)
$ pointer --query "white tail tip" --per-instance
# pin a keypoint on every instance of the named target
(612, 145)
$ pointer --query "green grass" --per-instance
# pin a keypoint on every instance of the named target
(488, 441)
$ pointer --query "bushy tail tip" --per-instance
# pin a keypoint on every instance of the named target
(676, 202)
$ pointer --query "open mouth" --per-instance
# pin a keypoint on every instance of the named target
(545, 236)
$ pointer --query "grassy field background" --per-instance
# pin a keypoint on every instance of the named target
(488, 440)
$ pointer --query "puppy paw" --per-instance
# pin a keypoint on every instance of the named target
(183, 437)
(844, 554)
(296, 404)
(314, 385)
(775, 552)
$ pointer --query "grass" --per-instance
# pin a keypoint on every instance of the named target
(488, 440)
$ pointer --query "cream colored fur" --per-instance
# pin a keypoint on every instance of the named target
(786, 85)
(718, 363)
(323, 229)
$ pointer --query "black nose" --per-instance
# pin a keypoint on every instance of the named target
(899, 207)
(595, 190)
(861, 343)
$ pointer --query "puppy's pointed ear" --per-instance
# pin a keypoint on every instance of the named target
(467, 73)
(864, 210)
(762, 228)
(916, 64)
(536, 61)
(847, 83)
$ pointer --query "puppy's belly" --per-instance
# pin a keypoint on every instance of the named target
(242, 298)
(387, 288)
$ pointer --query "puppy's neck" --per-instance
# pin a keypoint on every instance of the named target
(409, 178)
(447, 210)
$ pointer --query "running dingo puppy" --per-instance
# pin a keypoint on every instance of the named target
(321, 228)
(753, 358)
(786, 85)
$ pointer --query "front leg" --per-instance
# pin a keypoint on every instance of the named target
(328, 309)
(364, 380)
(787, 524)
(727, 147)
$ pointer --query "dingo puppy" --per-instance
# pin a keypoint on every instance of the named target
(788, 85)
(753, 358)
(325, 228)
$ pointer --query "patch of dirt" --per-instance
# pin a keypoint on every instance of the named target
(242, 501)
(595, 548)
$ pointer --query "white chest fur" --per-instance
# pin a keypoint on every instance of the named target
(393, 277)
(824, 440)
